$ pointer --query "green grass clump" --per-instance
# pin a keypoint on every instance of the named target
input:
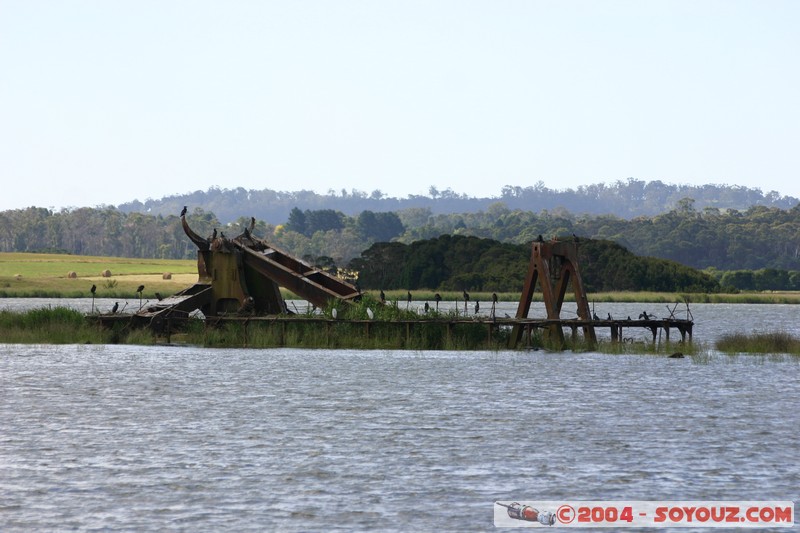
(759, 343)
(56, 325)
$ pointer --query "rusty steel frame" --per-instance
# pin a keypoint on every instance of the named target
(555, 265)
(243, 276)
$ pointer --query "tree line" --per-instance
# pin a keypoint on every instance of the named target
(625, 198)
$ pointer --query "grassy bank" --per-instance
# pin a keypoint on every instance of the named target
(767, 297)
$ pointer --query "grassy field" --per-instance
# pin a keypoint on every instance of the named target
(47, 275)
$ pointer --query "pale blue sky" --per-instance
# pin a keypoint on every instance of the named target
(103, 102)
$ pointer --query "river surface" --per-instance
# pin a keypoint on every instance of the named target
(154, 438)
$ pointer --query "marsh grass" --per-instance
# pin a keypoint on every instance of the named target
(52, 325)
(337, 334)
(775, 342)
(61, 325)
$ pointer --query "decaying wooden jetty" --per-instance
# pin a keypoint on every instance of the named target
(239, 281)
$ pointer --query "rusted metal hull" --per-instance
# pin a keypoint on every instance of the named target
(243, 276)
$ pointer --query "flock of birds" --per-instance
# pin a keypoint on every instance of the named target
(438, 298)
(115, 307)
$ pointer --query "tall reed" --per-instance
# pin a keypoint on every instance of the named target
(759, 343)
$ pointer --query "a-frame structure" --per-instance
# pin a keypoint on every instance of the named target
(555, 265)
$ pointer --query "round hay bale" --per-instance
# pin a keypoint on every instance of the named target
(106, 273)
(166, 275)
(17, 277)
(72, 274)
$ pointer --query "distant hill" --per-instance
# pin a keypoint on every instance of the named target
(626, 199)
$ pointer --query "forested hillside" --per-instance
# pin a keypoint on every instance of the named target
(625, 199)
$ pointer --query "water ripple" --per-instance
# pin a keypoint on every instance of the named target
(146, 438)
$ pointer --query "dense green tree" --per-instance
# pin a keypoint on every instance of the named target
(296, 221)
(323, 220)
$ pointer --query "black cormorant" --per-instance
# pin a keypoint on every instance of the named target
(183, 211)
(116, 306)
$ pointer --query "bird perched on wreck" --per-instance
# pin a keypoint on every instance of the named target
(140, 288)
(115, 308)
(183, 211)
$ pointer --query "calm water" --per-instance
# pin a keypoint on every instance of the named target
(185, 438)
